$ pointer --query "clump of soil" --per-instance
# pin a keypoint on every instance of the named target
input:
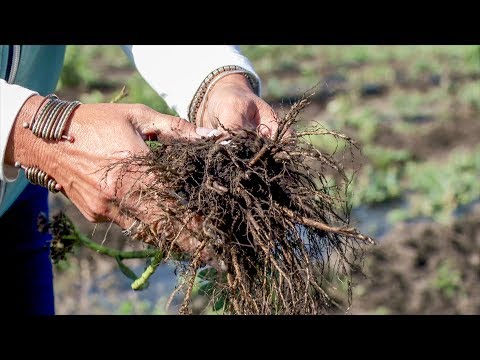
(264, 208)
(423, 268)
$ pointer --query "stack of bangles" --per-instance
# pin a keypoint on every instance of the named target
(49, 123)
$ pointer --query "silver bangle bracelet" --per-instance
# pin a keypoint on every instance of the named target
(39, 177)
(48, 123)
(63, 120)
(35, 124)
(50, 120)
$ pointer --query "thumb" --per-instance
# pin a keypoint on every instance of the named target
(167, 128)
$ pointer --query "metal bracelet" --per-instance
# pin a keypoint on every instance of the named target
(35, 124)
(63, 120)
(47, 123)
(39, 177)
(51, 118)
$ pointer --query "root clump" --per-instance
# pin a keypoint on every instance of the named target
(271, 211)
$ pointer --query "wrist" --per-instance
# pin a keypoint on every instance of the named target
(235, 84)
(239, 81)
(23, 145)
(216, 76)
(36, 132)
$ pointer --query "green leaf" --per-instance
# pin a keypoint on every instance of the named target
(219, 304)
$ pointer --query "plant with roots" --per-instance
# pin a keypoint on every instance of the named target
(272, 212)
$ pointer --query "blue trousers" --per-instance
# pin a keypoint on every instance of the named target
(28, 276)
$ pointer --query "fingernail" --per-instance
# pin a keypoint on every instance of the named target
(207, 132)
(265, 131)
(214, 133)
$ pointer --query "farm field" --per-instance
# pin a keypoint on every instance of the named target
(415, 114)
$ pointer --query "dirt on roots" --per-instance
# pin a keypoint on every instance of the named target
(263, 208)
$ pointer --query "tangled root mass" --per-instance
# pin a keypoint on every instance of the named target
(273, 212)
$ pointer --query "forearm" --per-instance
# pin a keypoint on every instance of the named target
(23, 146)
(13, 106)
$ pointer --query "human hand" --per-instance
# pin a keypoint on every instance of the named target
(232, 104)
(105, 134)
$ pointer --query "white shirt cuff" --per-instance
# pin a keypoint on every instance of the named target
(12, 98)
(176, 71)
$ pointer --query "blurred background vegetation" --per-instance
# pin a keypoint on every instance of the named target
(415, 112)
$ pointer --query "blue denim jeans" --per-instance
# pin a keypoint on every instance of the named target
(27, 273)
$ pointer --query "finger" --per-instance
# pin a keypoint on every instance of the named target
(188, 243)
(182, 238)
(233, 119)
(166, 127)
(127, 223)
(179, 233)
(157, 216)
(268, 119)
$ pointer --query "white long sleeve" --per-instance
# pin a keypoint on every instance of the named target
(176, 71)
(12, 98)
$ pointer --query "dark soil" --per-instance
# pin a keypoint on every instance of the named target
(442, 137)
(405, 273)
(404, 269)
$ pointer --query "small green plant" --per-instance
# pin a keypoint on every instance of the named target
(125, 307)
(363, 120)
(439, 188)
(383, 158)
(425, 66)
(358, 54)
(375, 186)
(409, 105)
(374, 74)
(329, 144)
(448, 280)
(381, 180)
(469, 94)
(398, 215)
(130, 307)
